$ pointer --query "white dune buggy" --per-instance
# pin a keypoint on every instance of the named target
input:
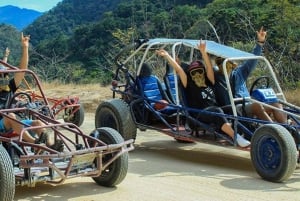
(137, 98)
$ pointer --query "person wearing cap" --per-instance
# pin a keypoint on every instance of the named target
(8, 124)
(198, 81)
(238, 75)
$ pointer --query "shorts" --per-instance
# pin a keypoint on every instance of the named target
(28, 122)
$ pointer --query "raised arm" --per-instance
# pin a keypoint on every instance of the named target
(24, 59)
(205, 57)
(6, 54)
(174, 64)
(261, 36)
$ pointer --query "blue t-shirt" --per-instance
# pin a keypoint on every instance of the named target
(237, 78)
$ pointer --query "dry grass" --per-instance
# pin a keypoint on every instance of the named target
(293, 96)
(90, 94)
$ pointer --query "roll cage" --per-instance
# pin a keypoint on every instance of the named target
(145, 50)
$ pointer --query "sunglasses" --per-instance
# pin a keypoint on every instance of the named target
(197, 70)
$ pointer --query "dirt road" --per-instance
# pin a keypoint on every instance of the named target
(160, 169)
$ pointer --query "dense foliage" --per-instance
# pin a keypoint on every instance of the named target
(77, 40)
(11, 38)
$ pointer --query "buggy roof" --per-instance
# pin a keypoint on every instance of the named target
(212, 47)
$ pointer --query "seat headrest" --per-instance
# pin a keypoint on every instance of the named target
(145, 70)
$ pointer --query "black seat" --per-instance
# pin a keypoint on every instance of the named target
(169, 80)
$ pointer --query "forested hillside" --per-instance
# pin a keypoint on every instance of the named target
(10, 37)
(66, 16)
(81, 37)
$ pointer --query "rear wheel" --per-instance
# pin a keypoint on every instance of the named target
(115, 114)
(7, 184)
(273, 153)
(117, 170)
(77, 118)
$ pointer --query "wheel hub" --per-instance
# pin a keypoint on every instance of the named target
(270, 152)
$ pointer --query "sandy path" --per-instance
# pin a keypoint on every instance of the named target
(161, 169)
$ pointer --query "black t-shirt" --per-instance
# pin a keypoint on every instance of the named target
(5, 95)
(199, 97)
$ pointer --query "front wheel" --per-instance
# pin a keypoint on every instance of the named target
(115, 114)
(117, 170)
(7, 184)
(273, 153)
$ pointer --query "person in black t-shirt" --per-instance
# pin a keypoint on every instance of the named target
(198, 80)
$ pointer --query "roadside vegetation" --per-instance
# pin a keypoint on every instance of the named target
(76, 41)
(93, 94)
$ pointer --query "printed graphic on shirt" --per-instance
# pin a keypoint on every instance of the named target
(198, 76)
(207, 93)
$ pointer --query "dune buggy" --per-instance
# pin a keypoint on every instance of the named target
(136, 104)
(101, 154)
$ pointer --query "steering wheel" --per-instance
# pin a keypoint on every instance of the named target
(261, 82)
(18, 100)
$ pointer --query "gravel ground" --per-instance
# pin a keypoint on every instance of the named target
(161, 169)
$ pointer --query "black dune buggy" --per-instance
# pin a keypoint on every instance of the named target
(101, 155)
(137, 98)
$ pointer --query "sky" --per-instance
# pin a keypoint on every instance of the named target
(38, 5)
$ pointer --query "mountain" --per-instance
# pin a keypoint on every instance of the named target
(68, 15)
(17, 17)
